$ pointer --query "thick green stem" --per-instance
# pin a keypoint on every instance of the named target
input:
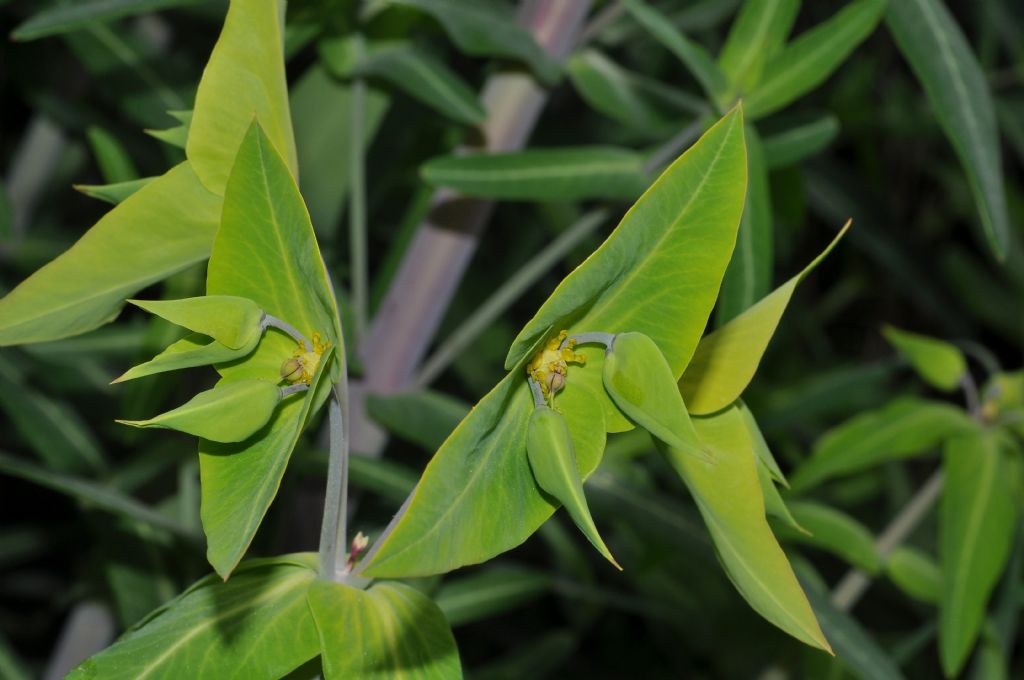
(333, 529)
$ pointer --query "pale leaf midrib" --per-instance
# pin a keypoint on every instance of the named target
(288, 583)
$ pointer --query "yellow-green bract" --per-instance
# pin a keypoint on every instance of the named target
(230, 320)
(195, 349)
(553, 461)
(641, 383)
(230, 412)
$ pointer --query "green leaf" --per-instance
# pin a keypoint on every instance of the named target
(85, 287)
(553, 461)
(388, 631)
(265, 251)
(670, 251)
(53, 430)
(907, 426)
(728, 496)
(939, 363)
(915, 573)
(243, 79)
(853, 645)
(555, 174)
(726, 360)
(424, 418)
(176, 136)
(487, 30)
(113, 193)
(976, 527)
(113, 160)
(239, 481)
(693, 56)
(423, 77)
(835, 532)
(67, 17)
(810, 59)
(774, 505)
(627, 98)
(477, 497)
(230, 320)
(489, 592)
(258, 625)
(321, 107)
(230, 412)
(758, 32)
(764, 454)
(642, 385)
(794, 144)
(192, 350)
(941, 58)
(91, 494)
(749, 275)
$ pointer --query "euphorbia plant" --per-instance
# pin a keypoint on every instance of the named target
(617, 345)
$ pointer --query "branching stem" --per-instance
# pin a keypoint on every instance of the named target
(333, 530)
(273, 321)
(606, 339)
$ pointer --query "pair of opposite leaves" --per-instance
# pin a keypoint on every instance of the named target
(225, 328)
(639, 380)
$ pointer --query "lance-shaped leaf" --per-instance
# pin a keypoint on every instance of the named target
(258, 625)
(749, 275)
(113, 193)
(265, 251)
(488, 30)
(244, 78)
(728, 496)
(230, 320)
(764, 454)
(388, 631)
(915, 573)
(642, 385)
(553, 461)
(645, 107)
(85, 287)
(477, 497)
(757, 34)
(812, 57)
(800, 141)
(956, 85)
(406, 67)
(905, 427)
(726, 360)
(835, 532)
(939, 363)
(774, 505)
(230, 412)
(976, 526)
(568, 174)
(693, 56)
(193, 350)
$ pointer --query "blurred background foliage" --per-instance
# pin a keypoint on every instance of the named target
(98, 518)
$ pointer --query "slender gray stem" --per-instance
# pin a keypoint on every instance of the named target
(605, 339)
(499, 302)
(971, 398)
(853, 586)
(273, 321)
(538, 394)
(292, 389)
(333, 530)
(357, 200)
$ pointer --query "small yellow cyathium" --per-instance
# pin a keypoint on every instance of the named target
(550, 366)
(302, 365)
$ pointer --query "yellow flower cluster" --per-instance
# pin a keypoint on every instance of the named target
(550, 365)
